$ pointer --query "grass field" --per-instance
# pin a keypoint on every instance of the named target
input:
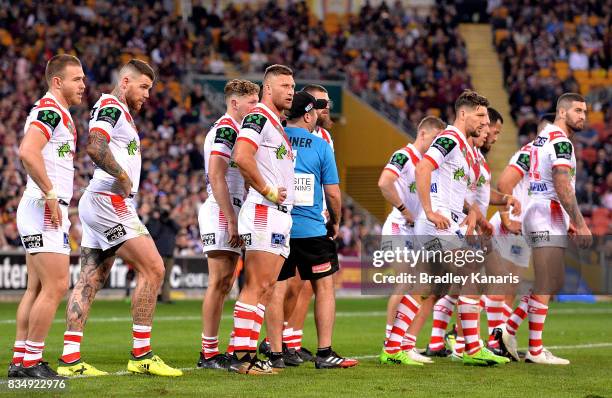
(579, 332)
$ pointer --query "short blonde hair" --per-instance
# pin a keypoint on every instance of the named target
(240, 88)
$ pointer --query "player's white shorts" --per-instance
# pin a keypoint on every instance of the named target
(431, 238)
(108, 220)
(545, 224)
(396, 233)
(37, 233)
(265, 228)
(511, 247)
(213, 227)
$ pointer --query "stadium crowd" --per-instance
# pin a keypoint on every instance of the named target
(419, 72)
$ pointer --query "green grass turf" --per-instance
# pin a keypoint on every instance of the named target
(359, 332)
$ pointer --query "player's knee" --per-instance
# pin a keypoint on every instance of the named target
(221, 285)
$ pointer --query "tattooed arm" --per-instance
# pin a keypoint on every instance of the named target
(99, 151)
(567, 197)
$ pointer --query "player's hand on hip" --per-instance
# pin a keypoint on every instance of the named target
(275, 194)
(514, 227)
(438, 220)
(232, 231)
(513, 202)
(125, 184)
(332, 230)
(55, 211)
(408, 216)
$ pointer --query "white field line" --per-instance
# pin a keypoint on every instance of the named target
(358, 314)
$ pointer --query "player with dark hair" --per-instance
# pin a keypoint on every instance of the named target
(111, 226)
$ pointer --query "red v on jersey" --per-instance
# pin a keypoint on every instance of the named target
(278, 127)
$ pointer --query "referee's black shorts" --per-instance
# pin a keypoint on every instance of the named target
(314, 258)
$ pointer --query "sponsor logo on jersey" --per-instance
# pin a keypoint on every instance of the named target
(49, 117)
(412, 187)
(114, 233)
(538, 187)
(237, 202)
(63, 150)
(523, 161)
(320, 268)
(516, 250)
(434, 188)
(132, 147)
(563, 150)
(255, 122)
(444, 144)
(208, 239)
(109, 115)
(539, 236)
(281, 151)
(226, 136)
(459, 174)
(246, 238)
(277, 239)
(399, 160)
(539, 141)
(66, 240)
(32, 241)
(454, 217)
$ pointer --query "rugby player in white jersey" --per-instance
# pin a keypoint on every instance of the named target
(264, 156)
(398, 187)
(442, 181)
(47, 153)
(218, 216)
(111, 226)
(552, 215)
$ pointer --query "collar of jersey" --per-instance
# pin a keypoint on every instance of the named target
(235, 124)
(49, 95)
(124, 107)
(262, 105)
(415, 151)
(551, 127)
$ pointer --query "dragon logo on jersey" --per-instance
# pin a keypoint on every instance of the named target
(459, 174)
(523, 161)
(481, 181)
(109, 115)
(563, 150)
(63, 150)
(50, 118)
(399, 160)
(255, 122)
(445, 145)
(281, 151)
(412, 187)
(572, 172)
(132, 147)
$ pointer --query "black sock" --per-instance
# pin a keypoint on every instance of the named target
(324, 352)
(275, 355)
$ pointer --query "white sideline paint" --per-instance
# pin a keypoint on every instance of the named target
(364, 314)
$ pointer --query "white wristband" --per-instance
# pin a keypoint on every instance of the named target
(51, 195)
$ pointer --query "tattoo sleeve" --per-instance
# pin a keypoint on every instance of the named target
(99, 151)
(566, 194)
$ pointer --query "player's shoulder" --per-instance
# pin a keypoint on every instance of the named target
(256, 119)
(447, 141)
(48, 112)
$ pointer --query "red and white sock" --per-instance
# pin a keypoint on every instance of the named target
(287, 336)
(230, 345)
(518, 315)
(507, 312)
(460, 345)
(469, 312)
(18, 352)
(297, 339)
(406, 311)
(244, 317)
(495, 318)
(442, 313)
(33, 353)
(210, 346)
(388, 330)
(537, 317)
(484, 300)
(260, 310)
(408, 342)
(141, 336)
(72, 347)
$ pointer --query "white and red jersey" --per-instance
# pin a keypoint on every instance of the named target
(455, 169)
(483, 183)
(262, 129)
(520, 162)
(220, 141)
(551, 148)
(403, 164)
(112, 118)
(322, 133)
(56, 124)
